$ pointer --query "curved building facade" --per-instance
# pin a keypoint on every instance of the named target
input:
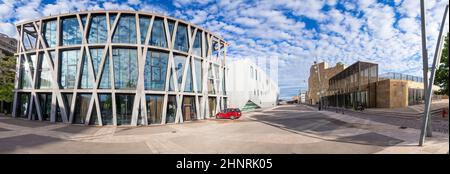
(118, 68)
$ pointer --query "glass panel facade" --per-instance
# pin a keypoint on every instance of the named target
(212, 106)
(98, 31)
(155, 70)
(112, 17)
(96, 56)
(67, 97)
(189, 109)
(105, 82)
(45, 73)
(181, 39)
(189, 84)
(106, 108)
(125, 68)
(23, 105)
(71, 31)
(25, 74)
(171, 109)
(32, 63)
(68, 68)
(197, 47)
(179, 67)
(45, 100)
(86, 82)
(50, 33)
(223, 83)
(415, 96)
(83, 20)
(94, 118)
(81, 108)
(126, 30)
(29, 40)
(154, 108)
(124, 103)
(210, 85)
(171, 83)
(144, 22)
(198, 74)
(171, 25)
(81, 60)
(158, 35)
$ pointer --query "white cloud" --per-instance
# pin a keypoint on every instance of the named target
(28, 11)
(276, 28)
(246, 21)
(6, 10)
(234, 29)
(134, 2)
(8, 29)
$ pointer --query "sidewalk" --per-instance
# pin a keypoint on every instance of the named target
(410, 137)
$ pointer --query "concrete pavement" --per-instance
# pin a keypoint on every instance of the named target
(284, 129)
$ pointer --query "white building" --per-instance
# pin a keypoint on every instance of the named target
(249, 87)
(302, 98)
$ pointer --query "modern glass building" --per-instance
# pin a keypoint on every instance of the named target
(354, 85)
(118, 68)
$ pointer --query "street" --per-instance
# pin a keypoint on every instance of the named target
(286, 129)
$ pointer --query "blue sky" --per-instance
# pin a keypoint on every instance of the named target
(297, 32)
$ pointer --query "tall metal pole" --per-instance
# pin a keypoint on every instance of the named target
(320, 86)
(426, 126)
(424, 59)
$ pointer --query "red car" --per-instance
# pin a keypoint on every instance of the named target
(229, 113)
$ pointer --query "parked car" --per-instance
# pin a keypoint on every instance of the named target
(229, 113)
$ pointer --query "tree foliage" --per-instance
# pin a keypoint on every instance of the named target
(7, 76)
(442, 72)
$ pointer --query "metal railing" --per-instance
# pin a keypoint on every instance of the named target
(400, 76)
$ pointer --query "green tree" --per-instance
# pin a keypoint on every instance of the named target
(442, 72)
(7, 76)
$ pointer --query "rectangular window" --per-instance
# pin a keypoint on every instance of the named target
(44, 71)
(212, 106)
(154, 108)
(105, 101)
(197, 47)
(50, 33)
(124, 108)
(189, 109)
(23, 105)
(198, 74)
(81, 108)
(71, 31)
(155, 70)
(158, 35)
(68, 68)
(171, 109)
(125, 31)
(181, 39)
(98, 31)
(125, 68)
(45, 99)
(144, 22)
(25, 74)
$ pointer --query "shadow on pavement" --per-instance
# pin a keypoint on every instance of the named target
(319, 124)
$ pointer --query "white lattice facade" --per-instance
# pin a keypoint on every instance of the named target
(118, 68)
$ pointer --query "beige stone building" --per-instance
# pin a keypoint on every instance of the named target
(397, 93)
(326, 73)
(360, 84)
